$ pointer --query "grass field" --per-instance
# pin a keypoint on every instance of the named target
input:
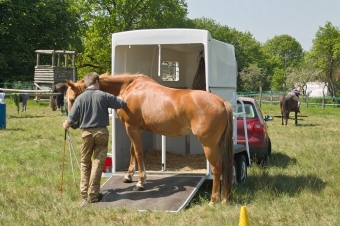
(299, 187)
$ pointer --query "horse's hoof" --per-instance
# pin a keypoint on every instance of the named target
(138, 188)
(211, 203)
(126, 180)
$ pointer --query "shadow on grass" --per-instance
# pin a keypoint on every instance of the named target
(291, 116)
(281, 160)
(26, 116)
(300, 119)
(278, 185)
(272, 185)
(13, 129)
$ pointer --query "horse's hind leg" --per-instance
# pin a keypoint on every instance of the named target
(131, 170)
(286, 117)
(296, 122)
(216, 169)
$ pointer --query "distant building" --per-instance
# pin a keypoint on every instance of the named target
(315, 89)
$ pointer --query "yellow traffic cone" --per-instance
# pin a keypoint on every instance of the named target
(244, 220)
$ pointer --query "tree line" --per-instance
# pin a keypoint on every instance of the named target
(86, 27)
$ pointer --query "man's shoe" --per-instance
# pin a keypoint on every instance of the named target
(100, 198)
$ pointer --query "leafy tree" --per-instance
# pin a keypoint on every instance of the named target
(284, 50)
(247, 49)
(101, 18)
(325, 55)
(26, 26)
(278, 81)
(253, 78)
(300, 76)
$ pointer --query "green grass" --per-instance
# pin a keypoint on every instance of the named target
(299, 187)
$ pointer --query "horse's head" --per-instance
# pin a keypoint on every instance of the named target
(74, 89)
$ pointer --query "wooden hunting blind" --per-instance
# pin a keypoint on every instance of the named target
(58, 71)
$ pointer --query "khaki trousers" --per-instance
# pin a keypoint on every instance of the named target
(93, 151)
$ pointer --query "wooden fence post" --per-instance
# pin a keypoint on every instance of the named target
(271, 96)
(323, 100)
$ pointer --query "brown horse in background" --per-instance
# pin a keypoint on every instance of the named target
(289, 103)
(57, 102)
(171, 112)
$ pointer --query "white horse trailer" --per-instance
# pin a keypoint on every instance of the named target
(172, 58)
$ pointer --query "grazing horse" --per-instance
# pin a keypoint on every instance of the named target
(289, 103)
(57, 102)
(171, 112)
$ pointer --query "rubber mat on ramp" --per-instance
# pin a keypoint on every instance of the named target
(163, 192)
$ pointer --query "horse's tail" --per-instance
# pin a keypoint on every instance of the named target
(54, 88)
(226, 146)
(52, 99)
(53, 103)
(283, 107)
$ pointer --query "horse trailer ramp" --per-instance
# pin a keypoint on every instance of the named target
(170, 192)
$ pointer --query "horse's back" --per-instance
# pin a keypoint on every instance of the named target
(288, 102)
(173, 112)
(292, 101)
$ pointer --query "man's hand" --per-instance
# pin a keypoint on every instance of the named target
(66, 125)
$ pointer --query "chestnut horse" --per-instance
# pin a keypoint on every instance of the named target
(171, 112)
(289, 103)
(57, 102)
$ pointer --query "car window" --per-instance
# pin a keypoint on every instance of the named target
(249, 110)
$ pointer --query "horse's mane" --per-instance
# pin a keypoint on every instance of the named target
(104, 75)
(124, 77)
(127, 76)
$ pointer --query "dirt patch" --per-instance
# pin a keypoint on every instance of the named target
(175, 162)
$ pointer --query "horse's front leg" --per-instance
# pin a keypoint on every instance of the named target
(131, 170)
(141, 166)
(136, 141)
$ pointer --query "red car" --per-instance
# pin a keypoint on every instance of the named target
(258, 138)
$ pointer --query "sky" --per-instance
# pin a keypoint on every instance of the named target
(265, 19)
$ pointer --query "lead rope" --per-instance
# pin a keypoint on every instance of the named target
(71, 149)
(63, 164)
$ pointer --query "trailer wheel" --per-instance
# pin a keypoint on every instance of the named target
(241, 169)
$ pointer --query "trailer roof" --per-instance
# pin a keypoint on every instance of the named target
(161, 36)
